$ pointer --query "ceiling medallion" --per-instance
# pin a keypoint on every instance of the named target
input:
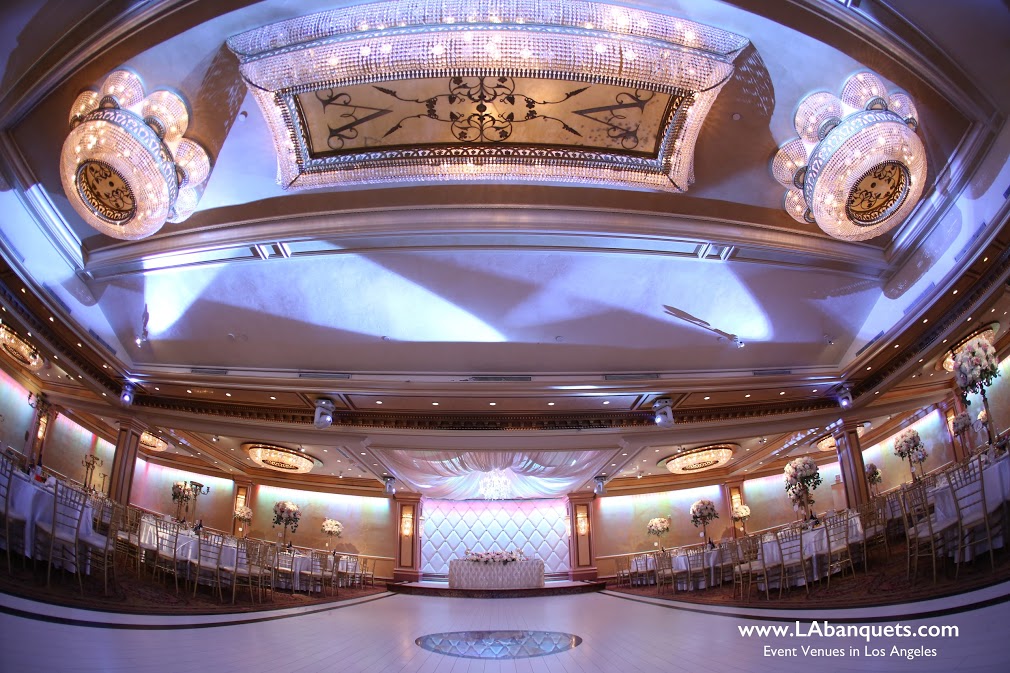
(281, 458)
(126, 166)
(20, 350)
(858, 168)
(988, 333)
(468, 90)
(150, 442)
(699, 459)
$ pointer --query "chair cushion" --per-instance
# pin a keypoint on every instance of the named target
(94, 540)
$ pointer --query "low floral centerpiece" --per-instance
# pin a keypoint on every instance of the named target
(703, 512)
(873, 476)
(287, 514)
(503, 557)
(908, 446)
(802, 476)
(740, 514)
(332, 528)
(975, 368)
(658, 526)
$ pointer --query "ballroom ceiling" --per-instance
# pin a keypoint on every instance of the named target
(504, 311)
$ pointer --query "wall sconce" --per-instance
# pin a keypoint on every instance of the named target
(582, 524)
(406, 524)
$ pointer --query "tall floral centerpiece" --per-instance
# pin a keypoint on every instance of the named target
(332, 528)
(740, 514)
(287, 514)
(802, 477)
(181, 495)
(873, 478)
(975, 367)
(908, 446)
(243, 515)
(703, 512)
(960, 426)
(659, 527)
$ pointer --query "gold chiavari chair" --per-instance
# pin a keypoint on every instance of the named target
(623, 571)
(128, 538)
(100, 550)
(751, 567)
(643, 569)
(312, 577)
(245, 572)
(664, 570)
(697, 567)
(873, 521)
(975, 522)
(56, 539)
(14, 524)
(838, 556)
(265, 574)
(924, 533)
(795, 561)
(334, 572)
(170, 559)
(284, 569)
(204, 564)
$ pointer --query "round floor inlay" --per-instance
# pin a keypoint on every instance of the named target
(498, 644)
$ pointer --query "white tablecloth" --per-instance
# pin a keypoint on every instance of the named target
(815, 545)
(465, 574)
(35, 502)
(996, 480)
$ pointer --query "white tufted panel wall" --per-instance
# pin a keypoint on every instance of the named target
(537, 527)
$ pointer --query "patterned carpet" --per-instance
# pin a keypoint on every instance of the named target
(886, 583)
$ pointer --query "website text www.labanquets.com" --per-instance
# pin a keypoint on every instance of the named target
(835, 640)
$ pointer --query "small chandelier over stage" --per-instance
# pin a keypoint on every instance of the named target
(126, 166)
(495, 485)
(699, 459)
(20, 350)
(857, 168)
(150, 442)
(281, 458)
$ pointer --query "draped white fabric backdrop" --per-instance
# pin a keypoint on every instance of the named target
(537, 527)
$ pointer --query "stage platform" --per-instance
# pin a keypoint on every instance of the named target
(441, 588)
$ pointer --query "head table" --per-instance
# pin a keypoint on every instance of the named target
(465, 574)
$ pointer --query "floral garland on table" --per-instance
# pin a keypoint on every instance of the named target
(332, 527)
(659, 526)
(873, 475)
(243, 514)
(909, 445)
(975, 367)
(802, 477)
(503, 557)
(287, 513)
(961, 423)
(702, 512)
(741, 513)
(181, 492)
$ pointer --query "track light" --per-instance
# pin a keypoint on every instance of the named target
(600, 487)
(389, 482)
(844, 398)
(738, 343)
(324, 413)
(663, 412)
(126, 397)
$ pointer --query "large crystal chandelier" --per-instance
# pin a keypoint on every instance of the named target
(495, 485)
(699, 459)
(150, 442)
(126, 166)
(280, 458)
(557, 90)
(857, 168)
(20, 350)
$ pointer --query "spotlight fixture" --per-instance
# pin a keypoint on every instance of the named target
(844, 398)
(737, 342)
(663, 412)
(390, 483)
(600, 487)
(324, 413)
(126, 396)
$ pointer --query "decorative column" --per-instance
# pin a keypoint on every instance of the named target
(408, 537)
(125, 460)
(581, 547)
(850, 460)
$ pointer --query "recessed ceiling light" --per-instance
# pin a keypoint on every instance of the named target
(157, 388)
(189, 391)
(868, 368)
(747, 395)
(925, 320)
(227, 394)
(944, 341)
(920, 359)
(492, 404)
(550, 404)
(877, 392)
(51, 319)
(707, 397)
(954, 292)
(104, 395)
(969, 319)
(363, 453)
(896, 345)
(326, 450)
(814, 390)
(103, 366)
(272, 397)
(985, 259)
(79, 345)
(606, 401)
(624, 454)
(434, 404)
(782, 393)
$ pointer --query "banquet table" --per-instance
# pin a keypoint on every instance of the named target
(995, 481)
(35, 502)
(815, 545)
(713, 558)
(464, 574)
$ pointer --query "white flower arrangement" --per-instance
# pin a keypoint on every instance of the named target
(287, 513)
(975, 367)
(741, 513)
(802, 477)
(658, 526)
(181, 492)
(503, 557)
(243, 514)
(702, 512)
(332, 527)
(907, 444)
(983, 417)
(961, 423)
(873, 475)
